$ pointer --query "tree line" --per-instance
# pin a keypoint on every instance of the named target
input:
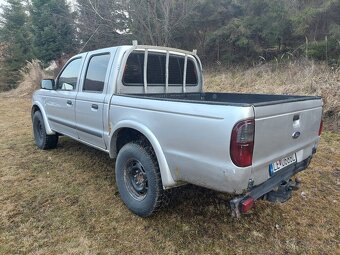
(223, 31)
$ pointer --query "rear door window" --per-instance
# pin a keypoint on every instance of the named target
(96, 73)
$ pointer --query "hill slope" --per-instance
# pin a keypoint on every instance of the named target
(300, 78)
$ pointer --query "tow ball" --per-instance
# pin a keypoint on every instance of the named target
(279, 194)
(283, 192)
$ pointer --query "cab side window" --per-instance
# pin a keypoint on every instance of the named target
(96, 73)
(69, 77)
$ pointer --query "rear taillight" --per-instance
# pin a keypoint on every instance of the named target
(242, 143)
(321, 127)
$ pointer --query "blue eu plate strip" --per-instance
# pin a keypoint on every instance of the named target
(271, 169)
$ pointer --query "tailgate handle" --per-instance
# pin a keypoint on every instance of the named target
(296, 117)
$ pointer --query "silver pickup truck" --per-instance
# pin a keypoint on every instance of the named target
(145, 106)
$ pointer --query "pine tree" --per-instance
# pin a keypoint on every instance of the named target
(53, 29)
(16, 42)
(101, 23)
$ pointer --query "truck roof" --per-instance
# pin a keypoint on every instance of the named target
(148, 47)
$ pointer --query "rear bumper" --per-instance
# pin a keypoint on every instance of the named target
(262, 189)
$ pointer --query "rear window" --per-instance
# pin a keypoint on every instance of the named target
(134, 70)
(156, 70)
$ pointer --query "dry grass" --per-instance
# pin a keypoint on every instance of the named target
(300, 78)
(65, 201)
(31, 75)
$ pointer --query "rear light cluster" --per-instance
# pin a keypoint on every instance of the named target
(321, 127)
(242, 143)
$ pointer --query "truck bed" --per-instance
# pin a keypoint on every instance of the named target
(227, 98)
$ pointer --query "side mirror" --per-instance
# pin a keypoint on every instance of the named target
(48, 84)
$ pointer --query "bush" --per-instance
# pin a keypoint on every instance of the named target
(317, 50)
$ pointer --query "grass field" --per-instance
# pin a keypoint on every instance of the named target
(65, 201)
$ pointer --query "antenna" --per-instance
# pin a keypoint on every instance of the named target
(195, 52)
(135, 43)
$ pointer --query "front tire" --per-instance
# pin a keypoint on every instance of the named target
(138, 179)
(41, 138)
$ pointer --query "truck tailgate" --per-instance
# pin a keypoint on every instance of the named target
(284, 130)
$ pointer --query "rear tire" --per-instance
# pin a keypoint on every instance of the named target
(138, 179)
(41, 138)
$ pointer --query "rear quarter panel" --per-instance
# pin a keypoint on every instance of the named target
(194, 138)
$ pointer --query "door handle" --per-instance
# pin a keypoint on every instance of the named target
(69, 102)
(296, 117)
(94, 106)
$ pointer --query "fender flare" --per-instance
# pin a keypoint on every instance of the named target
(166, 175)
(43, 113)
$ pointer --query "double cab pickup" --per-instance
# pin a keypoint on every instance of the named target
(145, 106)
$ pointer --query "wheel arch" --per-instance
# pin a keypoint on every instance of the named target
(133, 130)
(38, 107)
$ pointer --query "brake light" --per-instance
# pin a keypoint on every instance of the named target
(321, 127)
(242, 143)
